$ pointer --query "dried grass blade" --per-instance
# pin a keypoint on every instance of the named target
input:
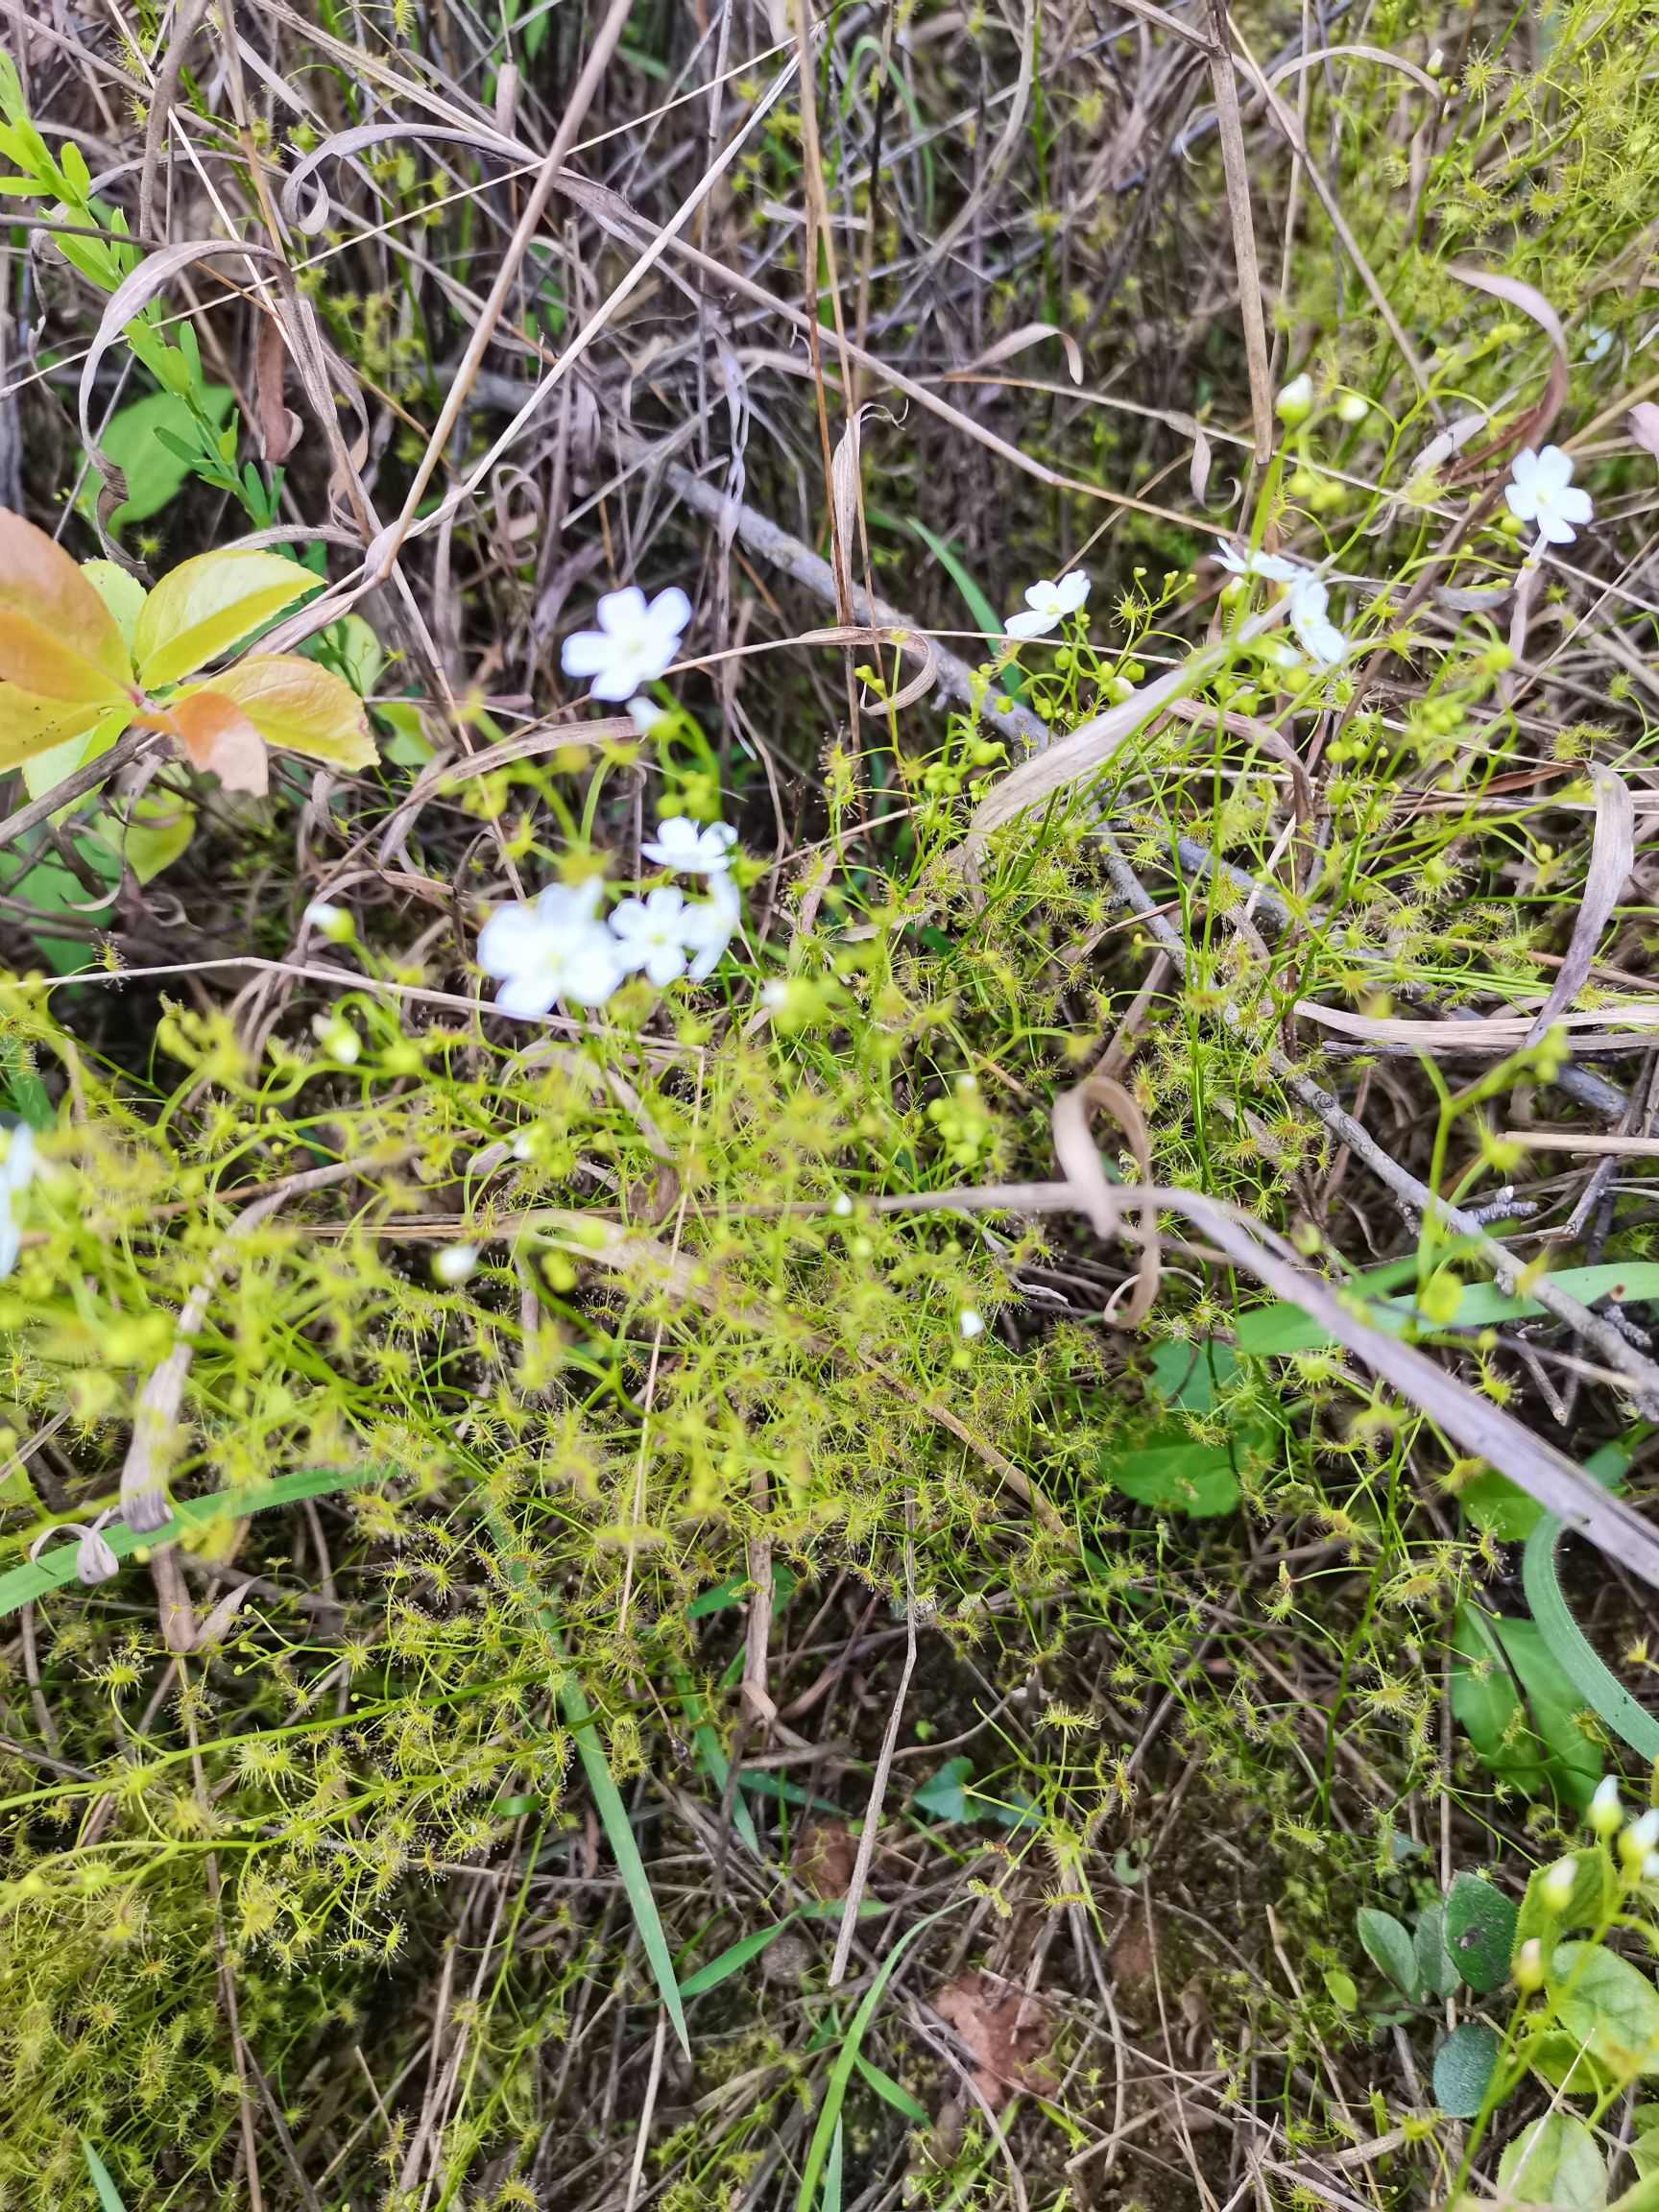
(1532, 304)
(1612, 856)
(1235, 169)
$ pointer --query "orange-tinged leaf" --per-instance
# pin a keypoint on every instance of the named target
(205, 606)
(30, 724)
(57, 639)
(295, 705)
(218, 737)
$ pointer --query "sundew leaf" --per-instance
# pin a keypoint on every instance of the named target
(201, 609)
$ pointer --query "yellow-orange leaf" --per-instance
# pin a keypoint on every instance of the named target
(295, 705)
(57, 639)
(30, 725)
(205, 606)
(218, 737)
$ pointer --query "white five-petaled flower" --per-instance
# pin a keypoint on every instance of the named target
(651, 932)
(679, 843)
(16, 1173)
(636, 642)
(1274, 567)
(1309, 618)
(1049, 603)
(551, 947)
(711, 923)
(1542, 490)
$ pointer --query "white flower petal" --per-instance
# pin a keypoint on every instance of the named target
(1032, 624)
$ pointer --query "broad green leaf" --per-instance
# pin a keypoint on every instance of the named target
(1495, 1503)
(1179, 1475)
(733, 1959)
(44, 771)
(109, 2195)
(1554, 2160)
(201, 609)
(123, 594)
(158, 832)
(1574, 1763)
(154, 470)
(1464, 2068)
(1437, 1973)
(945, 1795)
(1645, 2152)
(1480, 1930)
(1341, 1989)
(1610, 2007)
(1559, 2059)
(1189, 1375)
(1590, 1899)
(1388, 1945)
(300, 707)
(892, 2092)
(57, 639)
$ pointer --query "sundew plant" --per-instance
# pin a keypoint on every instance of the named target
(828, 1083)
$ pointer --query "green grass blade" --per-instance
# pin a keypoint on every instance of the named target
(891, 2092)
(21, 1585)
(607, 1797)
(978, 606)
(846, 2058)
(1568, 1647)
(831, 2199)
(109, 2195)
(730, 1962)
(625, 1850)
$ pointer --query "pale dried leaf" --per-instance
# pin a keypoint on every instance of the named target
(1612, 856)
(1006, 2031)
(1643, 425)
(280, 426)
(1531, 303)
(1018, 341)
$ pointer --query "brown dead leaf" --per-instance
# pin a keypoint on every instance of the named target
(219, 738)
(1134, 1956)
(1007, 2035)
(823, 1857)
(280, 426)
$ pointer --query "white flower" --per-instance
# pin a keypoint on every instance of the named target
(1605, 1810)
(338, 1038)
(1049, 603)
(1352, 408)
(1636, 1844)
(634, 643)
(1273, 566)
(646, 716)
(679, 843)
(711, 923)
(1283, 655)
(1295, 403)
(1320, 639)
(16, 1173)
(551, 947)
(1557, 1885)
(969, 1323)
(1542, 490)
(843, 1206)
(330, 921)
(454, 1264)
(1650, 1868)
(651, 933)
(1600, 342)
